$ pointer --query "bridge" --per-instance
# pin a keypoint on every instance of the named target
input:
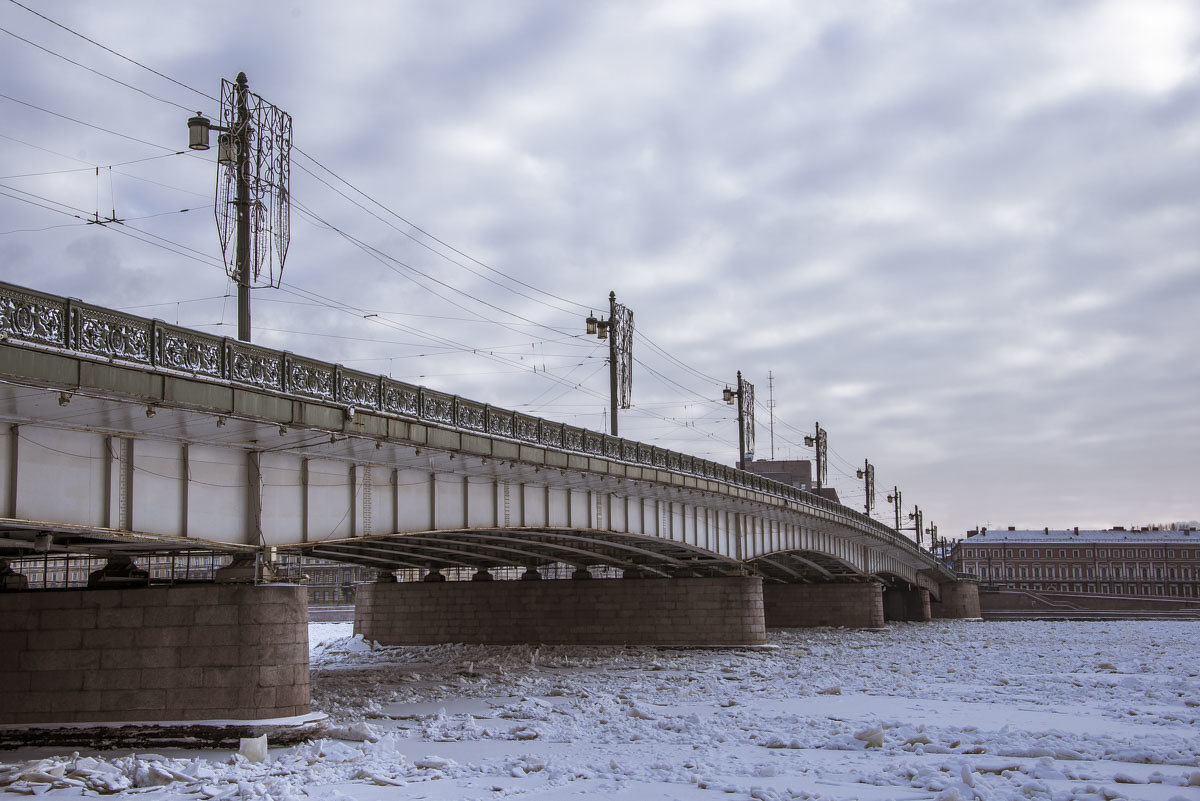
(125, 436)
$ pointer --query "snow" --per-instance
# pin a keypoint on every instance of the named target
(944, 710)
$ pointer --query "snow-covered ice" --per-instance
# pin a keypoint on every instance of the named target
(945, 710)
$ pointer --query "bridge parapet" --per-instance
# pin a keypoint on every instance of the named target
(43, 321)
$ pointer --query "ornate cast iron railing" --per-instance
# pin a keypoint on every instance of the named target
(41, 319)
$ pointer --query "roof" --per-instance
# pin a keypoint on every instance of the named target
(1071, 536)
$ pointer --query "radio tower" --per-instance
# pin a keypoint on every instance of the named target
(771, 408)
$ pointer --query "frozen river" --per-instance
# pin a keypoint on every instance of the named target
(943, 710)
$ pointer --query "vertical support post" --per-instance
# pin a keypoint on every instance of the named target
(14, 452)
(612, 361)
(254, 486)
(771, 408)
(741, 425)
(820, 456)
(242, 143)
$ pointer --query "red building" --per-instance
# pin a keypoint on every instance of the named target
(1149, 562)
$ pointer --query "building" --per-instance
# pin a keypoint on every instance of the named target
(793, 472)
(1142, 563)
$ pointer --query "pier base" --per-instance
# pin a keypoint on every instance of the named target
(804, 605)
(152, 655)
(664, 612)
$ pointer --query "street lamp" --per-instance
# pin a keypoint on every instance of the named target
(894, 499)
(820, 441)
(918, 518)
(867, 474)
(620, 353)
(744, 394)
(253, 167)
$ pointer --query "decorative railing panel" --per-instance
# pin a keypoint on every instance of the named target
(500, 422)
(551, 434)
(357, 389)
(645, 454)
(593, 443)
(255, 366)
(401, 399)
(33, 317)
(527, 428)
(111, 334)
(310, 378)
(188, 351)
(612, 447)
(629, 451)
(573, 438)
(437, 406)
(471, 415)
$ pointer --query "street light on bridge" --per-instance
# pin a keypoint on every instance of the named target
(918, 518)
(894, 499)
(253, 169)
(867, 474)
(745, 416)
(618, 330)
(820, 442)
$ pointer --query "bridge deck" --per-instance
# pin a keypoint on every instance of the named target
(131, 434)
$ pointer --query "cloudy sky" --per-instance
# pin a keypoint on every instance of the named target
(961, 235)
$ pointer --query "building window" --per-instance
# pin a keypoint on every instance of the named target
(1062, 553)
(1022, 553)
(1035, 553)
(1074, 553)
(1103, 588)
(1170, 554)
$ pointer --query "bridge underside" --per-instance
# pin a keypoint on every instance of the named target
(528, 547)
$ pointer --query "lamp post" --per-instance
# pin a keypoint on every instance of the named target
(612, 329)
(867, 474)
(894, 499)
(253, 167)
(728, 395)
(233, 146)
(819, 440)
(918, 518)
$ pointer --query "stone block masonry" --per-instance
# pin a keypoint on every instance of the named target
(663, 612)
(911, 604)
(196, 652)
(805, 605)
(958, 600)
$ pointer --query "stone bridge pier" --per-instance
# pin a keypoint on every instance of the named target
(858, 605)
(159, 660)
(908, 603)
(714, 611)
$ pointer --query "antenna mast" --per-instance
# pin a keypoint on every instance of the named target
(771, 408)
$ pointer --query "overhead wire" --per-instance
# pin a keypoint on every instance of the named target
(93, 71)
(114, 52)
(169, 245)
